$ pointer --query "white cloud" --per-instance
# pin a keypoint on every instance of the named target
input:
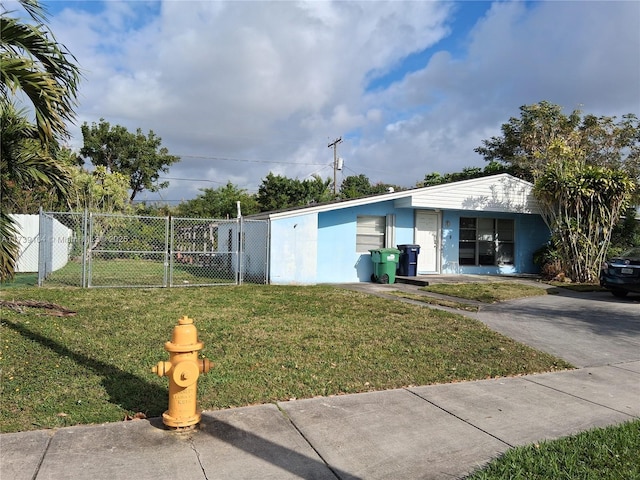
(276, 81)
(578, 55)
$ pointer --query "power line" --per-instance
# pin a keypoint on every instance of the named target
(230, 159)
(191, 180)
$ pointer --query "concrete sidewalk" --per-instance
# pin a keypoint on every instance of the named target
(431, 432)
(439, 431)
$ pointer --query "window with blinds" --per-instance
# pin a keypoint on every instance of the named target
(370, 233)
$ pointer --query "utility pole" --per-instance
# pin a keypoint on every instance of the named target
(335, 162)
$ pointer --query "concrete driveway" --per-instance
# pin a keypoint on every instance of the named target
(587, 329)
(584, 328)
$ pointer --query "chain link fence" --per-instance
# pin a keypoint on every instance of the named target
(127, 251)
(103, 250)
(62, 247)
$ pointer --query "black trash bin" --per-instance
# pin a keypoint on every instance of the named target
(408, 266)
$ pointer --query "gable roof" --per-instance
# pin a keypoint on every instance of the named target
(495, 193)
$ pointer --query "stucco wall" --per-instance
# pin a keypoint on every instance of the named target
(530, 234)
(255, 249)
(28, 229)
(294, 250)
(338, 260)
(321, 247)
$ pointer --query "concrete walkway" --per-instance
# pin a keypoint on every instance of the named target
(429, 432)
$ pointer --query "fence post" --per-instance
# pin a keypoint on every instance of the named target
(41, 252)
(267, 255)
(83, 279)
(87, 253)
(240, 251)
(167, 253)
(171, 249)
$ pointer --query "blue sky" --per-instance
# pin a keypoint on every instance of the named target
(240, 89)
(464, 16)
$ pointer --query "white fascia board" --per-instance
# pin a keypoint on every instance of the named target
(337, 206)
(412, 198)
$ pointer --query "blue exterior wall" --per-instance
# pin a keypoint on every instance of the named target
(530, 234)
(338, 260)
(294, 245)
(321, 247)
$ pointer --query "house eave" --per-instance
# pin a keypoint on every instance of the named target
(515, 197)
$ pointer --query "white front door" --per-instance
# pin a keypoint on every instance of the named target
(426, 235)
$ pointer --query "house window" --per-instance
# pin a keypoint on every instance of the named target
(486, 241)
(370, 233)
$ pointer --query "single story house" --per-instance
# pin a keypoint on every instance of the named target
(488, 225)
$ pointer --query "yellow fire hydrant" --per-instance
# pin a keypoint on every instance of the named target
(183, 370)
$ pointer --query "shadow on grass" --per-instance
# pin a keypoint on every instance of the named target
(22, 280)
(137, 395)
(125, 389)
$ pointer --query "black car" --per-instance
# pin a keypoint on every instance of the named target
(621, 274)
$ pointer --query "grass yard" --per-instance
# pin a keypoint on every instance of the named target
(268, 343)
(149, 271)
(457, 294)
(432, 300)
(488, 292)
(611, 453)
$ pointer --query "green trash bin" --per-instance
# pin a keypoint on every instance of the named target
(385, 262)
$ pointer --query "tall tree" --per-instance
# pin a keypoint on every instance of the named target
(467, 173)
(355, 186)
(316, 190)
(136, 155)
(219, 203)
(380, 188)
(277, 192)
(526, 141)
(31, 174)
(99, 191)
(585, 173)
(40, 73)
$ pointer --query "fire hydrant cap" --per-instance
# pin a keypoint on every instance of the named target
(184, 337)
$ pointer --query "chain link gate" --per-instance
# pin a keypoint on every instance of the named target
(127, 251)
(61, 248)
(106, 250)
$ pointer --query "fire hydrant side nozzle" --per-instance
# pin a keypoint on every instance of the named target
(183, 369)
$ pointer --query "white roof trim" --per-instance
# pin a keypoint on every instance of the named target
(502, 192)
(498, 193)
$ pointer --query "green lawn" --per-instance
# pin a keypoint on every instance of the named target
(135, 272)
(268, 343)
(488, 292)
(611, 453)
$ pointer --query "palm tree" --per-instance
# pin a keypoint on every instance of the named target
(35, 64)
(25, 161)
(36, 68)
